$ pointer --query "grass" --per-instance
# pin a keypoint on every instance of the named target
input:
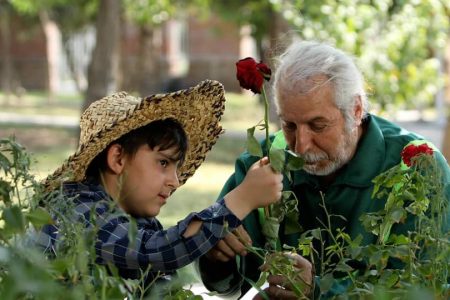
(50, 146)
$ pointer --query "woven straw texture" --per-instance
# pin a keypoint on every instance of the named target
(199, 110)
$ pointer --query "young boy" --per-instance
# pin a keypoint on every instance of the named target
(133, 154)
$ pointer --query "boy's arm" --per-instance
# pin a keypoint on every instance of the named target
(220, 276)
(224, 276)
(165, 250)
(168, 250)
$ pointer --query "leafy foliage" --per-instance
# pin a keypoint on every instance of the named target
(397, 265)
(398, 43)
(415, 264)
(25, 272)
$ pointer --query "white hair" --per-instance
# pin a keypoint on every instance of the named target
(304, 59)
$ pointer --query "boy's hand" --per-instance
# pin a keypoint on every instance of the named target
(233, 244)
(261, 186)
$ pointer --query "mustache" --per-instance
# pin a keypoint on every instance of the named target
(311, 157)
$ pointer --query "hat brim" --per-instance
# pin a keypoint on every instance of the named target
(198, 109)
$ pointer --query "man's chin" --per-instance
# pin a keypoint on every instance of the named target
(318, 170)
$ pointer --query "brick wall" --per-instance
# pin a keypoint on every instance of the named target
(212, 48)
(213, 51)
(29, 63)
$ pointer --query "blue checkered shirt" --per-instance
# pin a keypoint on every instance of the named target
(164, 250)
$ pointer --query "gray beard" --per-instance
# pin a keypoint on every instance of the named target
(345, 148)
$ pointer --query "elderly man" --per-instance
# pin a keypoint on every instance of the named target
(324, 116)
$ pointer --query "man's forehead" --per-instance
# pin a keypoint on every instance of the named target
(310, 85)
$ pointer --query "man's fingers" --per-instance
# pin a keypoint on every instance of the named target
(276, 292)
(299, 261)
(279, 280)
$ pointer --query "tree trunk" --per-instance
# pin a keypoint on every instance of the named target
(6, 73)
(446, 137)
(104, 65)
(277, 44)
(148, 62)
(53, 45)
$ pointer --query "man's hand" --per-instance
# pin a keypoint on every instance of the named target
(233, 244)
(281, 288)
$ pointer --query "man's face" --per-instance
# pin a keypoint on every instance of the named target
(149, 177)
(315, 128)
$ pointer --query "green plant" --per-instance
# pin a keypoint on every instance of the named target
(397, 265)
(70, 272)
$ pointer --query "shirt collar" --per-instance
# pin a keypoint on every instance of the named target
(89, 187)
(365, 164)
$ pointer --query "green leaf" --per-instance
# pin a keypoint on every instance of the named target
(253, 146)
(14, 221)
(39, 217)
(262, 279)
(316, 233)
(5, 190)
(271, 227)
(293, 161)
(389, 278)
(5, 165)
(291, 223)
(397, 214)
(277, 158)
(343, 267)
(326, 282)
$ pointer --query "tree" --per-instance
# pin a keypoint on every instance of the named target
(149, 16)
(104, 66)
(5, 30)
(446, 137)
(268, 35)
(396, 42)
(58, 20)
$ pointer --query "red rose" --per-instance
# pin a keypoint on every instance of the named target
(251, 75)
(412, 151)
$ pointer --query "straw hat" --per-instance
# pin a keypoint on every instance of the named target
(198, 109)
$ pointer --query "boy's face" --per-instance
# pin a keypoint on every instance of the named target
(149, 177)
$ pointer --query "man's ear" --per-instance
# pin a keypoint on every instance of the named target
(358, 110)
(115, 159)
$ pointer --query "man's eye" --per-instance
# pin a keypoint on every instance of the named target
(164, 162)
(318, 127)
(289, 126)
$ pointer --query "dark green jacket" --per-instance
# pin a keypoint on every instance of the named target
(348, 196)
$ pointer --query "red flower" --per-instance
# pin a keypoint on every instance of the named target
(251, 75)
(412, 151)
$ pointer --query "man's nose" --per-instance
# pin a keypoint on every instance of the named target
(303, 140)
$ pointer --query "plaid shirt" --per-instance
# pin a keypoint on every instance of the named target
(165, 250)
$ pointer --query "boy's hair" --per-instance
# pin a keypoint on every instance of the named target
(163, 134)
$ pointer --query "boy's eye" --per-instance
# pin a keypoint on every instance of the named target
(164, 162)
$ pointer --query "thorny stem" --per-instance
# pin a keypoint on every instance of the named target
(340, 253)
(266, 128)
(266, 119)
